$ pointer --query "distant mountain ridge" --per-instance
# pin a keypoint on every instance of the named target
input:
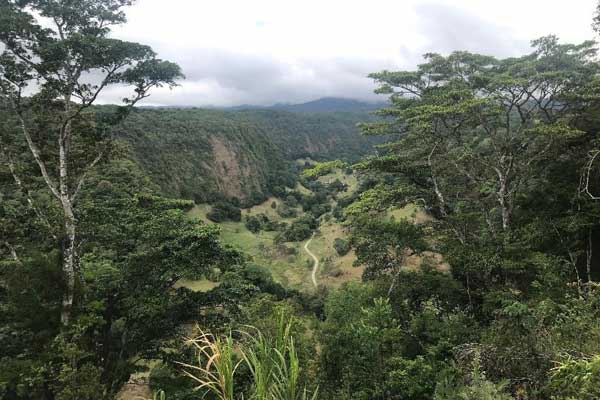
(331, 104)
(322, 105)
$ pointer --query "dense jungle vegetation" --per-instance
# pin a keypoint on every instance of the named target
(129, 267)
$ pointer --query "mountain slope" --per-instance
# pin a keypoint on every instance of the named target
(322, 105)
(207, 154)
(330, 104)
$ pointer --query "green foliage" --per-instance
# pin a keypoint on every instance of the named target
(323, 168)
(136, 247)
(253, 224)
(216, 365)
(382, 246)
(299, 230)
(224, 211)
(341, 246)
(479, 388)
(411, 379)
(492, 296)
(256, 223)
(272, 361)
(576, 379)
(484, 148)
(207, 154)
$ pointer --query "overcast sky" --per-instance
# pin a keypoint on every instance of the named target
(268, 51)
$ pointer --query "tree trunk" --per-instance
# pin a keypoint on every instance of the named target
(589, 256)
(69, 249)
(503, 201)
(13, 252)
(69, 260)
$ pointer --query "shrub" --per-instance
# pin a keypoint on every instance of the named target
(225, 211)
(297, 231)
(341, 246)
(285, 211)
(253, 224)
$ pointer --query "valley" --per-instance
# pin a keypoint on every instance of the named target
(288, 262)
(223, 226)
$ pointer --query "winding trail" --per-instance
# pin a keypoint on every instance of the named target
(316, 260)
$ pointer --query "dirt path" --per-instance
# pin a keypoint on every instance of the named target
(316, 260)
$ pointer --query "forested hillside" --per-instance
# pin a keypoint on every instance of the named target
(208, 154)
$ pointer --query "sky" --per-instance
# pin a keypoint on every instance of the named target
(264, 52)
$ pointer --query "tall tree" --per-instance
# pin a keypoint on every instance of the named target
(57, 60)
(474, 129)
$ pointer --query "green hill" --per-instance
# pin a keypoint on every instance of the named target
(206, 154)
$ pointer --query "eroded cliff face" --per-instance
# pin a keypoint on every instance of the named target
(234, 173)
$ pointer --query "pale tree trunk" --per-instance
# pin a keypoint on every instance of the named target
(62, 194)
(589, 256)
(69, 243)
(395, 276)
(438, 193)
(503, 196)
(13, 252)
(69, 260)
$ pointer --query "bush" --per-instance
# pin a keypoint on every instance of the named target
(260, 222)
(225, 211)
(296, 232)
(253, 224)
(286, 212)
(338, 186)
(309, 220)
(319, 209)
(291, 201)
(341, 246)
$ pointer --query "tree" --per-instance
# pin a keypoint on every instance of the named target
(474, 129)
(225, 211)
(66, 67)
(253, 224)
(383, 246)
(135, 248)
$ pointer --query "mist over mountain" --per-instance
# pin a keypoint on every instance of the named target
(331, 104)
(321, 105)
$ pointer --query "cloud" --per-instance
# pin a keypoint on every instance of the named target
(223, 78)
(448, 28)
(269, 51)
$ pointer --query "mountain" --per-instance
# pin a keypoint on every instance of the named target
(331, 104)
(207, 154)
(322, 105)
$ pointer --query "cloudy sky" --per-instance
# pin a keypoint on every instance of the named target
(268, 51)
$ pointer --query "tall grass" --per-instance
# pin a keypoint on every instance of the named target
(216, 365)
(272, 361)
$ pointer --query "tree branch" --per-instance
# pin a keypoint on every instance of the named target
(13, 252)
(85, 174)
(587, 172)
(19, 182)
(35, 152)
